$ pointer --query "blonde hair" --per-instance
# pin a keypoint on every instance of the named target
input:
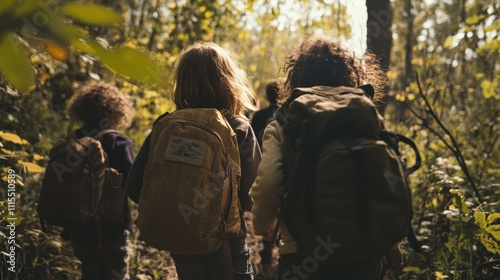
(101, 104)
(208, 76)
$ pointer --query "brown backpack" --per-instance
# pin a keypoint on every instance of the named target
(189, 199)
(347, 189)
(79, 187)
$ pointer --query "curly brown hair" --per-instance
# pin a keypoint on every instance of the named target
(323, 62)
(101, 104)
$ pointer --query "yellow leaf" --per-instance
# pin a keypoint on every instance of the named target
(417, 61)
(493, 217)
(435, 202)
(33, 167)
(448, 42)
(440, 275)
(38, 157)
(480, 219)
(479, 75)
(461, 201)
(392, 75)
(14, 138)
(5, 151)
(414, 269)
(489, 88)
(472, 20)
(57, 51)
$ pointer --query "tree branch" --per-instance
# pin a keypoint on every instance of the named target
(454, 145)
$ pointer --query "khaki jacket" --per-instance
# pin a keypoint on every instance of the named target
(269, 188)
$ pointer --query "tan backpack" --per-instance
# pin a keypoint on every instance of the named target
(189, 199)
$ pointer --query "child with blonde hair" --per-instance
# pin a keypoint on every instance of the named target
(208, 76)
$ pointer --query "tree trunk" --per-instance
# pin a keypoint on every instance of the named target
(409, 44)
(379, 35)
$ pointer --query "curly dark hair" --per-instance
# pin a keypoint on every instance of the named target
(322, 62)
(272, 91)
(101, 104)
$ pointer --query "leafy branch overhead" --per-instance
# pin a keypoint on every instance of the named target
(27, 22)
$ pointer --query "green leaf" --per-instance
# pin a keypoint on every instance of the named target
(414, 269)
(28, 7)
(6, 5)
(132, 63)
(91, 13)
(75, 36)
(15, 63)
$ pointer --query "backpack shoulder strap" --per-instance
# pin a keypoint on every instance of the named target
(160, 117)
(101, 133)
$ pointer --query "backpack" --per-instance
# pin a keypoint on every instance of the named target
(79, 187)
(189, 199)
(347, 186)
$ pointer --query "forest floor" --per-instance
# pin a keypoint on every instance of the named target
(148, 263)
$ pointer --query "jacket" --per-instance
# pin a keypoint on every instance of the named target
(269, 188)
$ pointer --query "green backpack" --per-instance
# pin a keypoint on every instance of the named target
(347, 186)
(189, 199)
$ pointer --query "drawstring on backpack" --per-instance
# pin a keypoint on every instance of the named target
(98, 227)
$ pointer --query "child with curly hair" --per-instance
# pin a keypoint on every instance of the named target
(101, 108)
(317, 62)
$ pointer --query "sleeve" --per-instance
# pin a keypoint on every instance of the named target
(134, 180)
(250, 156)
(121, 155)
(258, 125)
(269, 188)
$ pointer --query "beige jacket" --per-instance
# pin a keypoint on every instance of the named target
(269, 188)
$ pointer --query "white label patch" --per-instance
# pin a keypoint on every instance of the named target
(186, 150)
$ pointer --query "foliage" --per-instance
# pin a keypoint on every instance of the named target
(50, 48)
(452, 111)
(460, 235)
(51, 24)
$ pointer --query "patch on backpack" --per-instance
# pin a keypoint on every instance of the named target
(186, 150)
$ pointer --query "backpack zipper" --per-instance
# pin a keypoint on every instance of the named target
(228, 169)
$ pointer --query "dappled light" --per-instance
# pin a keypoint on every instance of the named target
(441, 61)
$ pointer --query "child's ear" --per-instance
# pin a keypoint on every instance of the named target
(369, 90)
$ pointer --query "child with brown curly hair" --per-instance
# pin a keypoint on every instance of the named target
(317, 62)
(101, 108)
